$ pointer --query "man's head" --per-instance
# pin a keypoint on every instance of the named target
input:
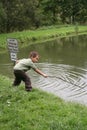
(34, 56)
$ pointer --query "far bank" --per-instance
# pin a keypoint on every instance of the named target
(28, 37)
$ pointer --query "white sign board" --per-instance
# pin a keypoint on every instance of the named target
(13, 48)
(13, 56)
(12, 45)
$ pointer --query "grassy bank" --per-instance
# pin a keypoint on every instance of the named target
(20, 110)
(41, 35)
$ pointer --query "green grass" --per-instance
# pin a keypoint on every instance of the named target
(37, 110)
(42, 34)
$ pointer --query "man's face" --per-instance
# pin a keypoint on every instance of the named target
(35, 59)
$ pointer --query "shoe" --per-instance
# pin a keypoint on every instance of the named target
(29, 90)
(13, 85)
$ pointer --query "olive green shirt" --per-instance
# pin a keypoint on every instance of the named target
(25, 65)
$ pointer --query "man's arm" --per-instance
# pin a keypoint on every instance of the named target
(40, 72)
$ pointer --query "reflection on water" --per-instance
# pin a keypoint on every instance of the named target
(64, 60)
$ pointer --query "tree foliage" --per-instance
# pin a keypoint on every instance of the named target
(26, 14)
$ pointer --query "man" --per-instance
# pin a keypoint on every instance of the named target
(22, 66)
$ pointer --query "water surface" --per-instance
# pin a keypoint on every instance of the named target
(64, 60)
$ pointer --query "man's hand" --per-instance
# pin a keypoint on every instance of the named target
(45, 75)
(41, 73)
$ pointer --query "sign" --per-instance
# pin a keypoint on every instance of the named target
(13, 56)
(13, 48)
(12, 45)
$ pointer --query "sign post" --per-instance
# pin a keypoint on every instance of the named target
(13, 48)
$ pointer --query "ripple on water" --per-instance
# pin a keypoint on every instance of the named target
(65, 81)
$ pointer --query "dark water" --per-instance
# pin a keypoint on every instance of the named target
(64, 60)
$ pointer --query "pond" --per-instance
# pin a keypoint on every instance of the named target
(64, 60)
